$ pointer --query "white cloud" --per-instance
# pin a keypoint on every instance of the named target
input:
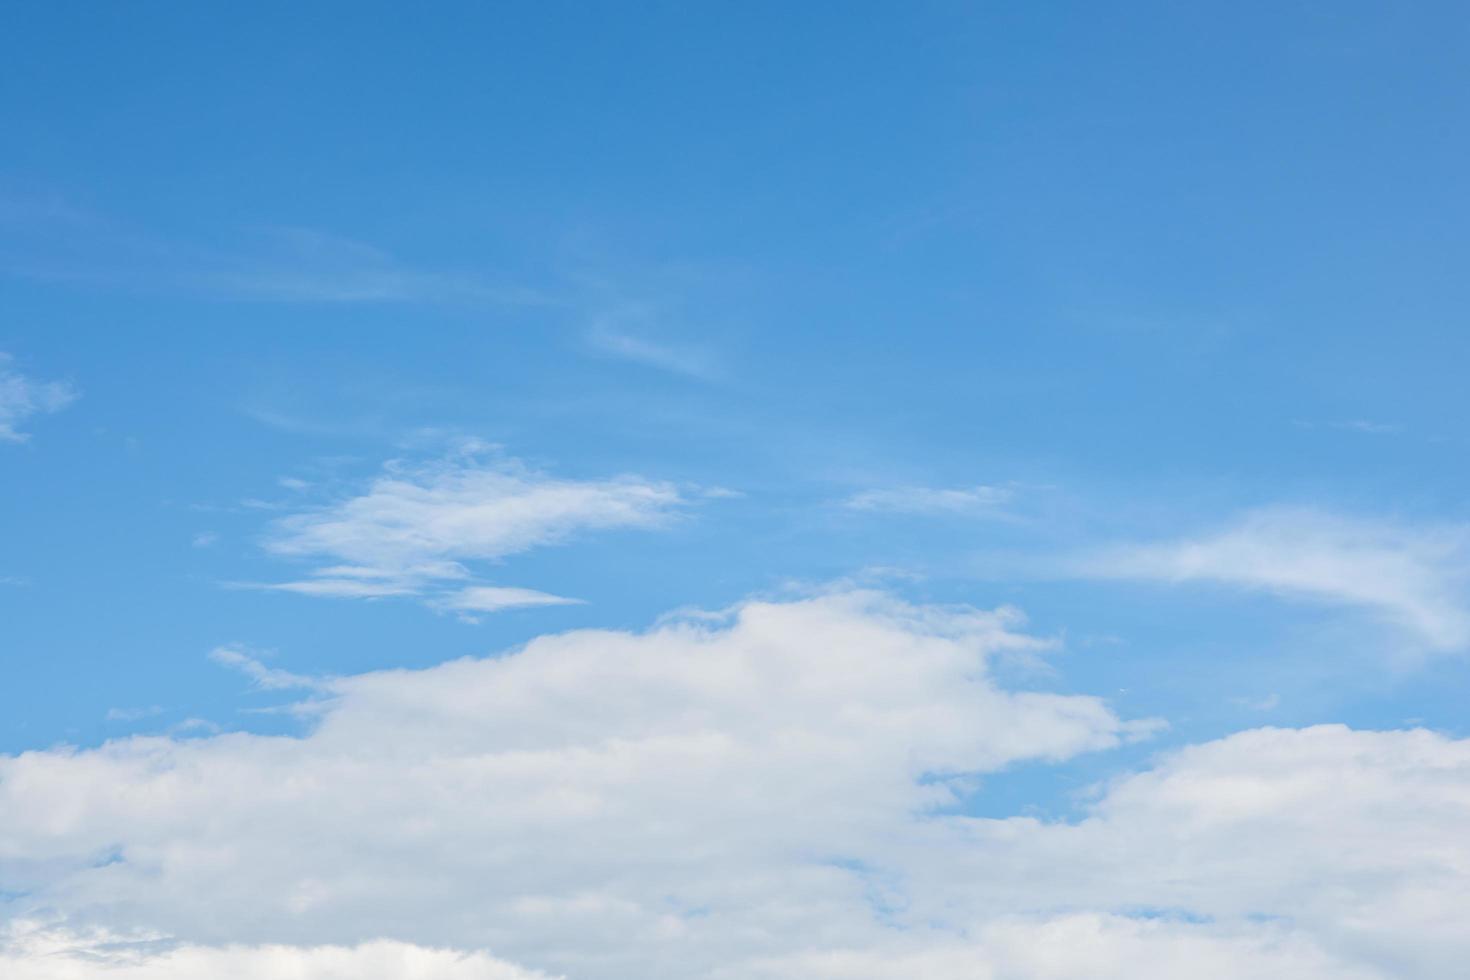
(1313, 853)
(609, 335)
(1075, 946)
(753, 797)
(265, 678)
(1369, 427)
(31, 951)
(600, 804)
(489, 598)
(133, 714)
(1067, 947)
(1412, 578)
(22, 397)
(1363, 426)
(932, 500)
(1354, 839)
(412, 531)
(342, 588)
(1269, 702)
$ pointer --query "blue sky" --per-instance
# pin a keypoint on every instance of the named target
(354, 339)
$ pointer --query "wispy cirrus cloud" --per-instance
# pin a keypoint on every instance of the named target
(1369, 427)
(1362, 426)
(133, 714)
(627, 334)
(293, 264)
(962, 501)
(264, 677)
(51, 240)
(492, 598)
(44, 238)
(23, 397)
(1413, 578)
(418, 529)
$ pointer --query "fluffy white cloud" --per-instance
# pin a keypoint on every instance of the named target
(1414, 579)
(756, 796)
(932, 500)
(30, 951)
(412, 530)
(601, 804)
(1075, 946)
(1313, 853)
(22, 397)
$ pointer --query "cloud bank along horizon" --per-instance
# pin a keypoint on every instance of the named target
(775, 790)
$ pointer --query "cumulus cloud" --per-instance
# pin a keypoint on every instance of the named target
(1075, 946)
(1413, 578)
(22, 397)
(30, 951)
(414, 530)
(599, 804)
(1305, 853)
(1067, 947)
(764, 794)
(1353, 839)
(932, 500)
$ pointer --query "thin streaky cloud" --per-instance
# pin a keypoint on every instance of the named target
(1369, 428)
(309, 265)
(1364, 426)
(491, 598)
(624, 336)
(1413, 578)
(261, 676)
(50, 241)
(976, 500)
(133, 714)
(337, 588)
